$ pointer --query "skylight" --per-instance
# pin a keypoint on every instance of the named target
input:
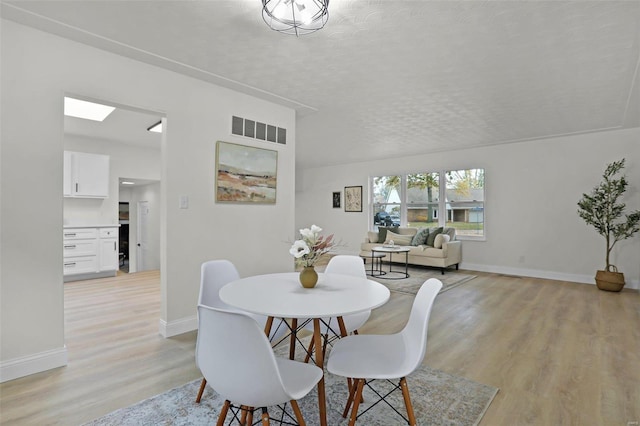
(87, 110)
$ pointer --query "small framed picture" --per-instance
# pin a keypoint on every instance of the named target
(353, 198)
(336, 200)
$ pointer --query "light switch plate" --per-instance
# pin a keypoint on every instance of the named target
(184, 202)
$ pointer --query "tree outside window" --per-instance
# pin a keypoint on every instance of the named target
(386, 200)
(464, 194)
(423, 199)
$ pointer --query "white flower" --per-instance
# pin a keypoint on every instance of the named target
(299, 249)
(306, 233)
(316, 229)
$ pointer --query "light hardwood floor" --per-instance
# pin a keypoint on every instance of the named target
(561, 353)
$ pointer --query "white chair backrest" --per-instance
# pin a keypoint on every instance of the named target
(415, 332)
(346, 265)
(236, 358)
(214, 275)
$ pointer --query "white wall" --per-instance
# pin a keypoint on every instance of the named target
(124, 161)
(532, 188)
(37, 70)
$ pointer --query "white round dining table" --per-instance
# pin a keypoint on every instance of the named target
(282, 296)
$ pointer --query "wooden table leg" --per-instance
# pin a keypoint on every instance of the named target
(292, 342)
(322, 404)
(343, 329)
(267, 326)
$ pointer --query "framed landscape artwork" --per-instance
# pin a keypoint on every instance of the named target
(353, 198)
(245, 174)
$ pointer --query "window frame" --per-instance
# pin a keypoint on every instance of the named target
(441, 214)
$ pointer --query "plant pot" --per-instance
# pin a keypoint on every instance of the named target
(610, 280)
(308, 277)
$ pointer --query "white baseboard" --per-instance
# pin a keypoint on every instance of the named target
(183, 325)
(25, 366)
(536, 273)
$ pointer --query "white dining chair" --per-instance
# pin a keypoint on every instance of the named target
(214, 274)
(365, 358)
(329, 328)
(235, 356)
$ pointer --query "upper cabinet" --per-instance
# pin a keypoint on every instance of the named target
(86, 175)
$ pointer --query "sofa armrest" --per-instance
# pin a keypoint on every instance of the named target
(452, 250)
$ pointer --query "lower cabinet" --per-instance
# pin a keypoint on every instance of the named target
(90, 252)
(108, 254)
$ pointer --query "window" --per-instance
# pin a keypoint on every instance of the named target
(386, 200)
(453, 198)
(465, 201)
(423, 198)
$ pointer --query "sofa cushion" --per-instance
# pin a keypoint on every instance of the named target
(399, 240)
(451, 232)
(440, 239)
(382, 232)
(432, 235)
(421, 237)
(372, 237)
(406, 230)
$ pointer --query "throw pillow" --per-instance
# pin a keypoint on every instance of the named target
(440, 239)
(398, 239)
(382, 232)
(451, 232)
(373, 237)
(432, 235)
(421, 237)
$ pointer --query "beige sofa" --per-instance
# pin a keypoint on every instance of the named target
(443, 252)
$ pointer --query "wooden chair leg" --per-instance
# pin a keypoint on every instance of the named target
(265, 417)
(247, 415)
(356, 402)
(298, 413)
(352, 391)
(223, 413)
(309, 351)
(407, 401)
(202, 386)
(324, 345)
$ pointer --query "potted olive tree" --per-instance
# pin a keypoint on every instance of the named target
(603, 211)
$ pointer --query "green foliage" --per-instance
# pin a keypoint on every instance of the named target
(602, 210)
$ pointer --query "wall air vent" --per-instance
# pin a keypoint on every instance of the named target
(257, 130)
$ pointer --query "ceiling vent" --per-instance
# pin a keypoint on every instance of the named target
(257, 130)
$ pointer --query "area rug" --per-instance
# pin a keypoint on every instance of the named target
(417, 276)
(438, 399)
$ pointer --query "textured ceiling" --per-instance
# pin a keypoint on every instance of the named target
(390, 78)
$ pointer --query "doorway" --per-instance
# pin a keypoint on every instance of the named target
(123, 219)
(134, 152)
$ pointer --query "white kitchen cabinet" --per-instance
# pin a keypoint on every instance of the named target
(80, 265)
(85, 175)
(108, 254)
(90, 252)
(67, 174)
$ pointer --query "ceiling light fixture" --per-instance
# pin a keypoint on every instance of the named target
(156, 128)
(126, 182)
(297, 17)
(87, 110)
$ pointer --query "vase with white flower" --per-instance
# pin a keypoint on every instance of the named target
(308, 250)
